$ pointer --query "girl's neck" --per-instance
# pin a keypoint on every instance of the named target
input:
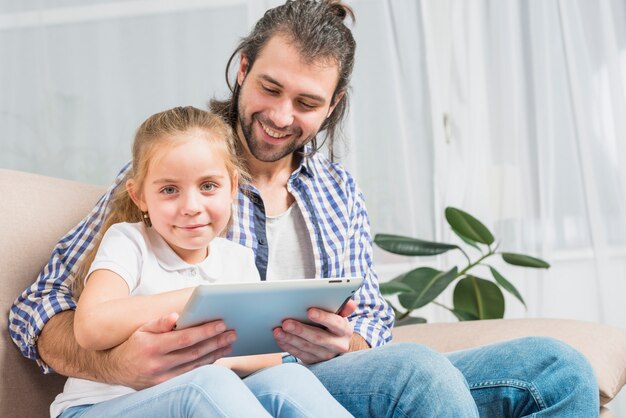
(191, 256)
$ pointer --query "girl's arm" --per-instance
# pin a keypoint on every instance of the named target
(246, 365)
(106, 314)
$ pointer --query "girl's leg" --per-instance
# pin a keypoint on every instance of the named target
(291, 390)
(209, 391)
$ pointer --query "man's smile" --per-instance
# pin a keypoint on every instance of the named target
(269, 131)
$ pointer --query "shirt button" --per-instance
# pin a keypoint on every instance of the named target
(193, 272)
(262, 241)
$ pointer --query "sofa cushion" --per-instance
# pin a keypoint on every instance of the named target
(603, 345)
(35, 211)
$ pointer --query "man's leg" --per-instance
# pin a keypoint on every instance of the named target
(209, 391)
(291, 390)
(534, 376)
(397, 380)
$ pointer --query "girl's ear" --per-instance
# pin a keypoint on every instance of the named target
(136, 197)
(243, 69)
(235, 185)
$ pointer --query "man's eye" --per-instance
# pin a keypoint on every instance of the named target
(307, 106)
(169, 190)
(208, 187)
(270, 91)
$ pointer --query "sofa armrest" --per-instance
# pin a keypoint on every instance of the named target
(603, 345)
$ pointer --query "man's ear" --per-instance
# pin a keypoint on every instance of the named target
(338, 98)
(243, 69)
(135, 195)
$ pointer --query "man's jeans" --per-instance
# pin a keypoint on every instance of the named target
(527, 377)
(288, 390)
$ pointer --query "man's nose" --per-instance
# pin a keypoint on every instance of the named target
(282, 114)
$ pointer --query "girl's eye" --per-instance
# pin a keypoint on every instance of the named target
(208, 187)
(169, 190)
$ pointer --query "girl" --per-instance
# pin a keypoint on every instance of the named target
(161, 238)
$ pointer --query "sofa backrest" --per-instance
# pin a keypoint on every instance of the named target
(35, 211)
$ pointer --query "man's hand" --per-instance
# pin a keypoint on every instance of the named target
(313, 344)
(154, 353)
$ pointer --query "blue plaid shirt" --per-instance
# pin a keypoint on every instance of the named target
(335, 215)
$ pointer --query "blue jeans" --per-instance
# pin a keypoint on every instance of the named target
(288, 390)
(528, 377)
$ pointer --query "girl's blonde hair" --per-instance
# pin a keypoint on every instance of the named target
(162, 130)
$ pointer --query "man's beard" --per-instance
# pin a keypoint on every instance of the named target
(263, 151)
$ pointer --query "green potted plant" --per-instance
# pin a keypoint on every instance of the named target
(474, 297)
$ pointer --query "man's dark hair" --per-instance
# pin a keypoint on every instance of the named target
(317, 30)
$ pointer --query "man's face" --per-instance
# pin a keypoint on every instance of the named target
(283, 100)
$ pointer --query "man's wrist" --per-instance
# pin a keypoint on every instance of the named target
(357, 343)
(288, 358)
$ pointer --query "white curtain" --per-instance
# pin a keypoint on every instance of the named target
(533, 95)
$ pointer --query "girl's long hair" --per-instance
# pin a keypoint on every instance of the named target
(158, 131)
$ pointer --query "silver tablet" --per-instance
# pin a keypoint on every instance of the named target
(255, 309)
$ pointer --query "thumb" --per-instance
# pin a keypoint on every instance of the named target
(348, 308)
(160, 325)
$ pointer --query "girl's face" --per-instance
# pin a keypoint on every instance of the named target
(188, 194)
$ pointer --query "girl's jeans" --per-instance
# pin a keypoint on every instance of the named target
(288, 390)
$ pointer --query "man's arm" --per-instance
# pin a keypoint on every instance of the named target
(59, 349)
(164, 353)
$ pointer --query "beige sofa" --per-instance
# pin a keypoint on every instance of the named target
(35, 211)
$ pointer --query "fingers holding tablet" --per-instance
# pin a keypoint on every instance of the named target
(312, 344)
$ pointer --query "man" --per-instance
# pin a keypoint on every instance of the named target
(303, 216)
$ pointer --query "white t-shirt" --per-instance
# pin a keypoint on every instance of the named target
(290, 246)
(146, 262)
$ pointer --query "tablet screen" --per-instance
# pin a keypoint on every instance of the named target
(255, 309)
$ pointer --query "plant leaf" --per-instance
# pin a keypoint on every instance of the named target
(393, 287)
(426, 286)
(416, 278)
(479, 297)
(467, 240)
(410, 320)
(464, 316)
(524, 261)
(508, 286)
(466, 225)
(410, 246)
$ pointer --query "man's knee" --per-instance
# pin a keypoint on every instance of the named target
(419, 363)
(565, 363)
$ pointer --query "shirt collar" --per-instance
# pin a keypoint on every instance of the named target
(210, 268)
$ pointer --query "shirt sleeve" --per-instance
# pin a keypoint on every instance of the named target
(121, 251)
(373, 319)
(51, 293)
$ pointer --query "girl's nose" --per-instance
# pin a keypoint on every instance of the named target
(190, 204)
